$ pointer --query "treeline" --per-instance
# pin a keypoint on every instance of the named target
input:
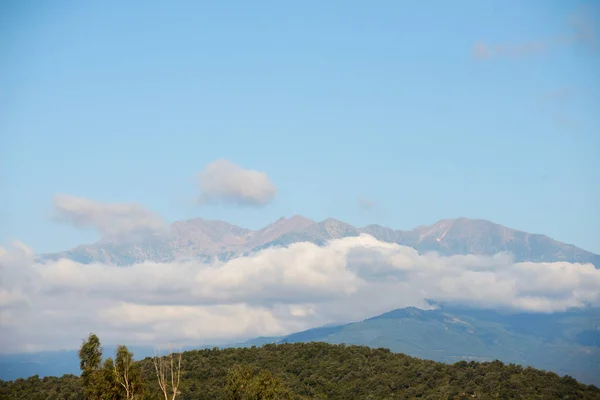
(292, 371)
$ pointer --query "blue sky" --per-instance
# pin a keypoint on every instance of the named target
(335, 101)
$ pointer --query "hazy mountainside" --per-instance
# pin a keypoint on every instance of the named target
(207, 240)
(565, 343)
(52, 363)
(323, 371)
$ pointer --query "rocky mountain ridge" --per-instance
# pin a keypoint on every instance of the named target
(207, 240)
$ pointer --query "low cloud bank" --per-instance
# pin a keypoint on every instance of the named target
(46, 306)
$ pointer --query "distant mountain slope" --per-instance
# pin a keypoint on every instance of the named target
(216, 239)
(566, 343)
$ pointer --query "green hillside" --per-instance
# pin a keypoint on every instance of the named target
(323, 371)
(566, 343)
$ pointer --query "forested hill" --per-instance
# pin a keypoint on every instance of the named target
(325, 371)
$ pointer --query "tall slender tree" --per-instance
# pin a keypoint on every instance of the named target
(90, 359)
(127, 373)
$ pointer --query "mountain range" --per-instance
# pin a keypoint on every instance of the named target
(207, 240)
(564, 342)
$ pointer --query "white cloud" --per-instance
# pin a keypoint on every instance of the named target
(225, 182)
(192, 322)
(122, 220)
(272, 292)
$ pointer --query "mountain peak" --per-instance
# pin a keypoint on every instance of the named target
(463, 222)
(299, 219)
(279, 228)
(294, 222)
(338, 229)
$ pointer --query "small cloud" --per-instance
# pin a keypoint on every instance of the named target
(224, 182)
(365, 204)
(115, 220)
(481, 51)
(582, 27)
(546, 177)
(560, 94)
(556, 104)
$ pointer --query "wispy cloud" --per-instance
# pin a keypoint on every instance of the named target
(563, 93)
(556, 104)
(582, 31)
(483, 51)
(365, 204)
(271, 292)
(224, 182)
(115, 220)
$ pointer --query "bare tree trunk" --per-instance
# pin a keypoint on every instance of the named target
(168, 373)
(123, 380)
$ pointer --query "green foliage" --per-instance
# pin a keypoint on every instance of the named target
(90, 354)
(120, 379)
(68, 387)
(111, 389)
(325, 371)
(126, 373)
(90, 357)
(245, 383)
